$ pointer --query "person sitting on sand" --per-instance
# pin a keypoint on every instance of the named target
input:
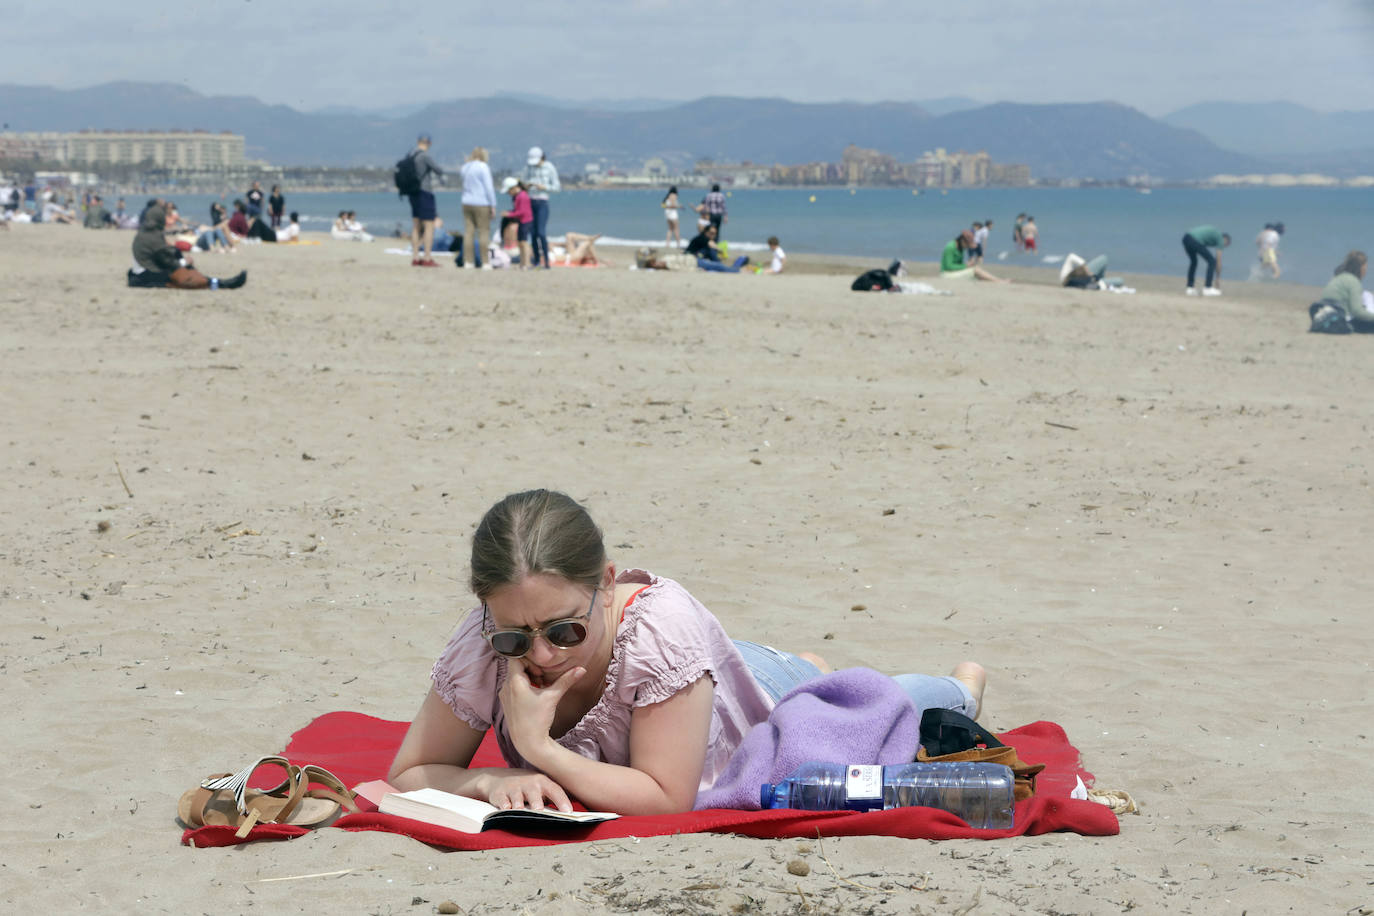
(157, 264)
(704, 248)
(703, 244)
(249, 227)
(1346, 293)
(581, 249)
(347, 228)
(779, 260)
(615, 687)
(97, 217)
(952, 266)
(54, 212)
(291, 232)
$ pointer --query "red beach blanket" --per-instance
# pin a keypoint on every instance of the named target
(358, 748)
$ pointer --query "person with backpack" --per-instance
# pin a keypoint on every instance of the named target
(415, 180)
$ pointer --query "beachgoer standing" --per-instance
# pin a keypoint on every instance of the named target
(1016, 231)
(1196, 241)
(423, 208)
(276, 203)
(1029, 234)
(713, 206)
(670, 211)
(1268, 244)
(253, 199)
(541, 178)
(479, 205)
(980, 235)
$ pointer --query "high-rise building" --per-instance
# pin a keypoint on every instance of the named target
(192, 150)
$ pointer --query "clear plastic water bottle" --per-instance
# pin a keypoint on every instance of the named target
(983, 794)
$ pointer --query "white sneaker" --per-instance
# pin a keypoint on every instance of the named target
(486, 266)
(467, 266)
(1211, 291)
(1190, 291)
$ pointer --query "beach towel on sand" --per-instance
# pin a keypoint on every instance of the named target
(358, 748)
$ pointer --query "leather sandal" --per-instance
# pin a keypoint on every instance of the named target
(226, 800)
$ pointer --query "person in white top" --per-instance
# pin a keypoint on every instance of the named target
(348, 229)
(1268, 244)
(291, 231)
(779, 256)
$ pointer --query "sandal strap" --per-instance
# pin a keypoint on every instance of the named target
(334, 788)
(238, 783)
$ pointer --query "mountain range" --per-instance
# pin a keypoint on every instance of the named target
(1103, 140)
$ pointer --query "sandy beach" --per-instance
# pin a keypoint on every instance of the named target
(227, 513)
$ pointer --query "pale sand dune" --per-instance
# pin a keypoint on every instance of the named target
(1180, 580)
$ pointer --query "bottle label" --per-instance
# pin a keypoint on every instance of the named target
(863, 783)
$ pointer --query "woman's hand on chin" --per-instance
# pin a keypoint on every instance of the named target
(530, 710)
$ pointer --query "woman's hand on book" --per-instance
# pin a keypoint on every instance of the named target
(525, 789)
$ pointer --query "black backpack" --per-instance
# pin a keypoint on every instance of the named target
(407, 176)
(1328, 318)
(877, 280)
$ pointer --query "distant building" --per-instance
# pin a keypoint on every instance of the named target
(196, 150)
(733, 173)
(1010, 174)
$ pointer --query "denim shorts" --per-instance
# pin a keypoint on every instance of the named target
(774, 670)
(777, 672)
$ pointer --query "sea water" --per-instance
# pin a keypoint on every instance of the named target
(1140, 233)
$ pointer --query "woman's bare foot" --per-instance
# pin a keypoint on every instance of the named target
(975, 679)
(816, 660)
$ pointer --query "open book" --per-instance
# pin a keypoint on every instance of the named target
(456, 812)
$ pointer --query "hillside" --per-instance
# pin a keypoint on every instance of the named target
(1277, 128)
(1099, 140)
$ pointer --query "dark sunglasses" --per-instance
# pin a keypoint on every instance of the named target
(561, 634)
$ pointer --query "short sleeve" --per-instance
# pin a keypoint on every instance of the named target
(668, 649)
(465, 676)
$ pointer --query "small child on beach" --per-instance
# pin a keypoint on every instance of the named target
(523, 213)
(779, 256)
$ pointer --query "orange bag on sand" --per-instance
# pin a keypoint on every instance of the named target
(956, 738)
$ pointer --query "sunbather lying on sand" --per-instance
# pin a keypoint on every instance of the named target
(616, 687)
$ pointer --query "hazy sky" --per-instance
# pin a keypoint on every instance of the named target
(1157, 55)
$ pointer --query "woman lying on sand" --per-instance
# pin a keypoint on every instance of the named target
(619, 689)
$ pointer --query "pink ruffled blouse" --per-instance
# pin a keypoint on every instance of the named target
(666, 641)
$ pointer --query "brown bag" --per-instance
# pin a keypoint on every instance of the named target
(1024, 773)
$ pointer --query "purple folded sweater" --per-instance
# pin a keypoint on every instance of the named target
(852, 716)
